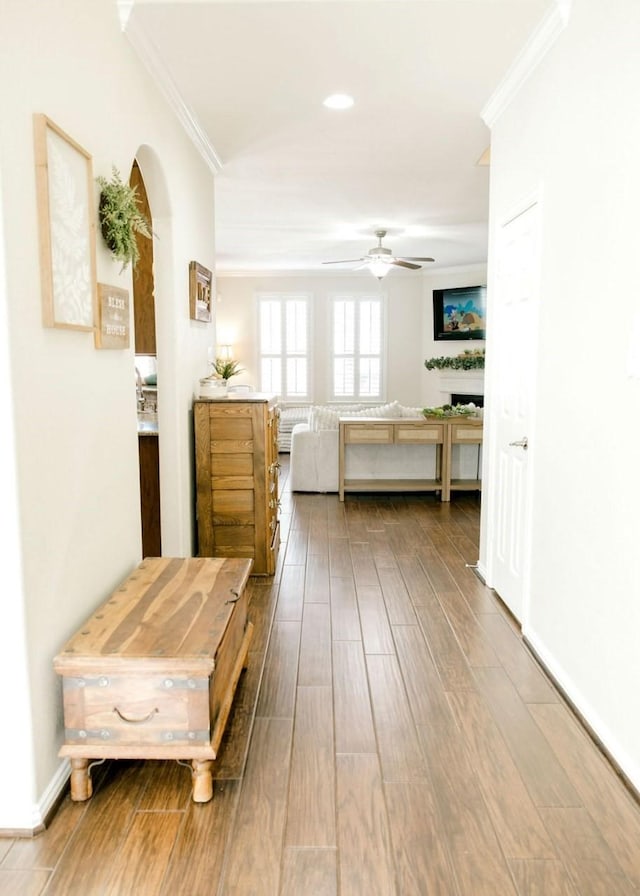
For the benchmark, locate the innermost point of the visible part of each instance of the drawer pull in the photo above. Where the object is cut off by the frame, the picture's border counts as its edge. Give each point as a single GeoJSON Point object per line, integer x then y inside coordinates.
{"type": "Point", "coordinates": [135, 721]}
{"type": "Point", "coordinates": [234, 599]}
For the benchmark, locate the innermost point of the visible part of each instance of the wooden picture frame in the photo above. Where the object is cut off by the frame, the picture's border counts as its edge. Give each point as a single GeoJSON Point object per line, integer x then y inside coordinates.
{"type": "Point", "coordinates": [459, 313]}
{"type": "Point", "coordinates": [200, 292]}
{"type": "Point", "coordinates": [114, 320]}
{"type": "Point", "coordinates": [67, 227]}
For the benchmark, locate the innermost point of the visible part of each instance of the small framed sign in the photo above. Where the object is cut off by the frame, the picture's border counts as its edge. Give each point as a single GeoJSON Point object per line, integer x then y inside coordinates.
{"type": "Point", "coordinates": [200, 290]}
{"type": "Point", "coordinates": [113, 330]}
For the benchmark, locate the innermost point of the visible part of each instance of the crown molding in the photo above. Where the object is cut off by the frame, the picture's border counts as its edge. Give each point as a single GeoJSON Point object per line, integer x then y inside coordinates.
{"type": "Point", "coordinates": [158, 71]}
{"type": "Point", "coordinates": [478, 267]}
{"type": "Point", "coordinates": [540, 42]}
{"type": "Point", "coordinates": [291, 272]}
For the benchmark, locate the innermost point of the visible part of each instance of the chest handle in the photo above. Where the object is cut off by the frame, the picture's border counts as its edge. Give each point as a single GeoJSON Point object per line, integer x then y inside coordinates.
{"type": "Point", "coordinates": [134, 721]}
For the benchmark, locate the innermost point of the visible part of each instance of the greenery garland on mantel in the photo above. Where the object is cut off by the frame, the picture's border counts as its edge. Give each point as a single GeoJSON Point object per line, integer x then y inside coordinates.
{"type": "Point", "coordinates": [468, 360]}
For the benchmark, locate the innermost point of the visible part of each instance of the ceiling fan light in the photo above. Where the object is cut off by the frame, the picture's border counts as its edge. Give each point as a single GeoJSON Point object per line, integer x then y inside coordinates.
{"type": "Point", "coordinates": [380, 268]}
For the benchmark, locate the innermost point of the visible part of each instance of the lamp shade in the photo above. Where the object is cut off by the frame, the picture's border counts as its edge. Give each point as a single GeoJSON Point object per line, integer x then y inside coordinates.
{"type": "Point", "coordinates": [380, 268]}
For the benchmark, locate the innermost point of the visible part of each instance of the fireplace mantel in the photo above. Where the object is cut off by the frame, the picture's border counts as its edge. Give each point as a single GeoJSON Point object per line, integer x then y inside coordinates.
{"type": "Point", "coordinates": [469, 382]}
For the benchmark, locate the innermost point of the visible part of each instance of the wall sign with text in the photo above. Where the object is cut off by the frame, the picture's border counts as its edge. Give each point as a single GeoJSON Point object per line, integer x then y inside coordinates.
{"type": "Point", "coordinates": [113, 330]}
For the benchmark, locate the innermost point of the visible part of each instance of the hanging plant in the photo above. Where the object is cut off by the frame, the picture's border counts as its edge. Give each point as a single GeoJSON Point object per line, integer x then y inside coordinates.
{"type": "Point", "coordinates": [121, 218]}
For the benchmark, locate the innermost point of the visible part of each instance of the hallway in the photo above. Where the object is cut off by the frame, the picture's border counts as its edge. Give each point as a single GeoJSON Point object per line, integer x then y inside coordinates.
{"type": "Point", "coordinates": [392, 735]}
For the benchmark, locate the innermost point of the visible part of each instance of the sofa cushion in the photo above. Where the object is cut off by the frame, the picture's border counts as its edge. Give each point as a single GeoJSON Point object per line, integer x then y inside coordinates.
{"type": "Point", "coordinates": [328, 417]}
{"type": "Point", "coordinates": [393, 409]}
{"type": "Point", "coordinates": [323, 418]}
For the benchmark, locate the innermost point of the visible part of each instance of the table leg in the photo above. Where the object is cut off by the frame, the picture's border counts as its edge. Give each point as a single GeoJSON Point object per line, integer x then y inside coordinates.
{"type": "Point", "coordinates": [202, 780]}
{"type": "Point", "coordinates": [81, 787]}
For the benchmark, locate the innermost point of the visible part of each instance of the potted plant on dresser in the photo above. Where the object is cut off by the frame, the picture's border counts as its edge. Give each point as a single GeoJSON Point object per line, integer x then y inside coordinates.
{"type": "Point", "coordinates": [217, 383]}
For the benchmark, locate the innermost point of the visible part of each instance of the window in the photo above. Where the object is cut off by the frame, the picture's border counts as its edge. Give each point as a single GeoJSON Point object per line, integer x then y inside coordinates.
{"type": "Point", "coordinates": [357, 346]}
{"type": "Point", "coordinates": [283, 332]}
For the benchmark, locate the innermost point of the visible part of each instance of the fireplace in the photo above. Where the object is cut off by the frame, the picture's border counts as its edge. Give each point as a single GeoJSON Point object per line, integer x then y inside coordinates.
{"type": "Point", "coordinates": [465, 398]}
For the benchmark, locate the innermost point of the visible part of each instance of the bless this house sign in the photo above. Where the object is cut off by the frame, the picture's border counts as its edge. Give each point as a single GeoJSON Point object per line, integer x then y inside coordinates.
{"type": "Point", "coordinates": [113, 317]}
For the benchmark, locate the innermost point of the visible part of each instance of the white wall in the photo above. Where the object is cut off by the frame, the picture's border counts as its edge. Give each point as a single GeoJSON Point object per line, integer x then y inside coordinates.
{"type": "Point", "coordinates": [573, 134]}
{"type": "Point", "coordinates": [409, 314]}
{"type": "Point", "coordinates": [74, 418]}
{"type": "Point", "coordinates": [17, 778]}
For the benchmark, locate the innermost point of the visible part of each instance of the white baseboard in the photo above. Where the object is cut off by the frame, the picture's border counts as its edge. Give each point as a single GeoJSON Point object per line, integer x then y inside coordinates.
{"type": "Point", "coordinates": [598, 729]}
{"type": "Point", "coordinates": [33, 820]}
{"type": "Point", "coordinates": [481, 572]}
{"type": "Point", "coordinates": [53, 791]}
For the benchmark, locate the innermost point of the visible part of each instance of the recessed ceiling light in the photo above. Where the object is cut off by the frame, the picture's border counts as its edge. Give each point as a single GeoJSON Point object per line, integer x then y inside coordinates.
{"type": "Point", "coordinates": [338, 101]}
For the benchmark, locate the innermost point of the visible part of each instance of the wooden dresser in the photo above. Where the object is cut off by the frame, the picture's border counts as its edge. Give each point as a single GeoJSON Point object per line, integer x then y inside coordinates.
{"type": "Point", "coordinates": [236, 455]}
{"type": "Point", "coordinates": [152, 674]}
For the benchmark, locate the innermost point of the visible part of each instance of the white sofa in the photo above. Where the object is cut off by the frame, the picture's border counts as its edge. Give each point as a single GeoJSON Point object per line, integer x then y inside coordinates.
{"type": "Point", "coordinates": [315, 446]}
{"type": "Point", "coordinates": [290, 416]}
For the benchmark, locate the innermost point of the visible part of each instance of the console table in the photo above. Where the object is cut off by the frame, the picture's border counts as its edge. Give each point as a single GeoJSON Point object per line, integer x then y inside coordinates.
{"type": "Point", "coordinates": [443, 433]}
{"type": "Point", "coordinates": [463, 431]}
{"type": "Point", "coordinates": [152, 674]}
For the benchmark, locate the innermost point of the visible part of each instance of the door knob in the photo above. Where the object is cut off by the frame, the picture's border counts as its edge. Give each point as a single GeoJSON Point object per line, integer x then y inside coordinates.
{"type": "Point", "coordinates": [521, 443]}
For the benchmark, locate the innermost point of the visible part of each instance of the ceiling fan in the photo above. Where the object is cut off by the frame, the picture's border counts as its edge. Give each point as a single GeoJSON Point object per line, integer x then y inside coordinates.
{"type": "Point", "coordinates": [379, 260]}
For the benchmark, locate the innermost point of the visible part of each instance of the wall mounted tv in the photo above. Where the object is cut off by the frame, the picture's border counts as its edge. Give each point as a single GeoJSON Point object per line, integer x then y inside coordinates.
{"type": "Point", "coordinates": [459, 313]}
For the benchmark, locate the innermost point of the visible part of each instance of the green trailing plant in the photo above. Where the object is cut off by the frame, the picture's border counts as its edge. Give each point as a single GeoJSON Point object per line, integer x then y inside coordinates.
{"type": "Point", "coordinates": [225, 369]}
{"type": "Point", "coordinates": [468, 360]}
{"type": "Point", "coordinates": [449, 410]}
{"type": "Point", "coordinates": [121, 219]}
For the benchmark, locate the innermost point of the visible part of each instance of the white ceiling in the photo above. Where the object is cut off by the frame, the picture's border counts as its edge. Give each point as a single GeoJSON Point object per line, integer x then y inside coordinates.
{"type": "Point", "coordinates": [299, 184]}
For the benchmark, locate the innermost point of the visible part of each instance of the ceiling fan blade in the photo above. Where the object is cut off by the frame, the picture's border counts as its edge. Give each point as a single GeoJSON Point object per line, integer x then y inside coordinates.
{"type": "Point", "coordinates": [405, 264]}
{"type": "Point", "coordinates": [412, 258]}
{"type": "Point", "coordinates": [343, 261]}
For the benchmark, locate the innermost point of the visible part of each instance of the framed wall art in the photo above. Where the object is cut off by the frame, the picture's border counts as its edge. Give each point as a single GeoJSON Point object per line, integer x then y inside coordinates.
{"type": "Point", "coordinates": [200, 292]}
{"type": "Point", "coordinates": [459, 313]}
{"type": "Point", "coordinates": [114, 328]}
{"type": "Point", "coordinates": [66, 219]}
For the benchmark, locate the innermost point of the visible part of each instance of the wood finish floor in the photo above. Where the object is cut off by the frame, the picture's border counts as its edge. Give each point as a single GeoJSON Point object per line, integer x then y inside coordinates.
{"type": "Point", "coordinates": [392, 735]}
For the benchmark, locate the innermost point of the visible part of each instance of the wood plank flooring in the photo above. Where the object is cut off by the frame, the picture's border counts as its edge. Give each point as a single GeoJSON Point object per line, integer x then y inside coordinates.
{"type": "Point", "coordinates": [392, 735]}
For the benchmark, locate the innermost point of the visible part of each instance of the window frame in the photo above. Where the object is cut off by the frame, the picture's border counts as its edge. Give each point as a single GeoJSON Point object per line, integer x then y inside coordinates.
{"type": "Point", "coordinates": [283, 298]}
{"type": "Point", "coordinates": [358, 297]}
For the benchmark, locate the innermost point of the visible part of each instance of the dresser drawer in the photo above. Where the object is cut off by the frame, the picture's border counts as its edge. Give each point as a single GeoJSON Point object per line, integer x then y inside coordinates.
{"type": "Point", "coordinates": [368, 434]}
{"type": "Point", "coordinates": [466, 432]}
{"type": "Point", "coordinates": [419, 434]}
{"type": "Point", "coordinates": [233, 507]}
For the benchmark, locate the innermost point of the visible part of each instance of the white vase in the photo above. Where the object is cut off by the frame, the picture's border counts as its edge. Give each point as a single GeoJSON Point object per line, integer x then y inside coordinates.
{"type": "Point", "coordinates": [213, 387]}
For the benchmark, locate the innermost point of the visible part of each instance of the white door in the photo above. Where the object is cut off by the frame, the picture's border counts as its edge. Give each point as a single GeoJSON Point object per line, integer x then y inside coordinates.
{"type": "Point", "coordinates": [513, 343]}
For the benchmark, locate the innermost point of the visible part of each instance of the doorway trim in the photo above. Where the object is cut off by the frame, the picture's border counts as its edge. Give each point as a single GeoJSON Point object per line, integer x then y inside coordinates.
{"type": "Point", "coordinates": [491, 498]}
{"type": "Point", "coordinates": [177, 536]}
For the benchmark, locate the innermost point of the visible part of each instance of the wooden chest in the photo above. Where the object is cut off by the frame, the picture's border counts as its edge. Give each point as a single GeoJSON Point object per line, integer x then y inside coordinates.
{"type": "Point", "coordinates": [153, 672]}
